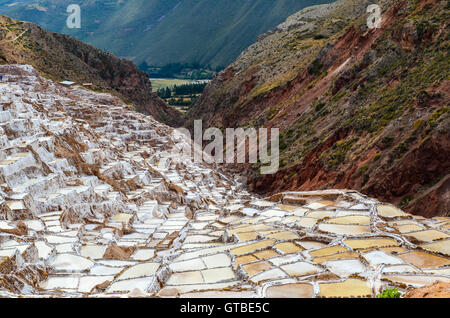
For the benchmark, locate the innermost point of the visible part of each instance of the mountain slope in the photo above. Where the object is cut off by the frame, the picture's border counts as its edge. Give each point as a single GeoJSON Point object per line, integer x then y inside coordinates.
{"type": "Point", "coordinates": [357, 108]}
{"type": "Point", "coordinates": [61, 57]}
{"type": "Point", "coordinates": [163, 31]}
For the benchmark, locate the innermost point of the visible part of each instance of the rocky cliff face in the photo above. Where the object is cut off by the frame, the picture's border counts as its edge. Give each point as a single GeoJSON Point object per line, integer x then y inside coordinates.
{"type": "Point", "coordinates": [357, 107]}
{"type": "Point", "coordinates": [61, 57]}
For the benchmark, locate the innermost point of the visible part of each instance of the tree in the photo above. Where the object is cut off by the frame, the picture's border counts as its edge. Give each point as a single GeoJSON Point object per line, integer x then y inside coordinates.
{"type": "Point", "coordinates": [143, 66]}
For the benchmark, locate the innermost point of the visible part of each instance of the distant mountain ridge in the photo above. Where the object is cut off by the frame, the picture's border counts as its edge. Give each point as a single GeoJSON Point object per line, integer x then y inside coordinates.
{"type": "Point", "coordinates": [61, 57]}
{"type": "Point", "coordinates": [209, 32]}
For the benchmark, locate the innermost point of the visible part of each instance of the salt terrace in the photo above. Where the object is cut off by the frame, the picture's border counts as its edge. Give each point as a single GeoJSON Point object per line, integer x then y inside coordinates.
{"type": "Point", "coordinates": [86, 210]}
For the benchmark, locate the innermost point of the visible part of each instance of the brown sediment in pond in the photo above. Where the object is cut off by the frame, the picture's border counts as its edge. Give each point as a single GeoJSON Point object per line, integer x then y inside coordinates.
{"type": "Point", "coordinates": [119, 252]}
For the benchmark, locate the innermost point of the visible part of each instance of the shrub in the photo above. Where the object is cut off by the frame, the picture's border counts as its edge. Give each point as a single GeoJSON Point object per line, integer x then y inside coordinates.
{"type": "Point", "coordinates": [319, 107]}
{"type": "Point", "coordinates": [405, 200]}
{"type": "Point", "coordinates": [315, 68]}
{"type": "Point", "coordinates": [319, 37]}
{"type": "Point", "coordinates": [390, 293]}
{"type": "Point", "coordinates": [400, 150]}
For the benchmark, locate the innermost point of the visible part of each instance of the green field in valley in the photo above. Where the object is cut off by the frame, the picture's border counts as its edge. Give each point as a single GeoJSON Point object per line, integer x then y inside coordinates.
{"type": "Point", "coordinates": [158, 83]}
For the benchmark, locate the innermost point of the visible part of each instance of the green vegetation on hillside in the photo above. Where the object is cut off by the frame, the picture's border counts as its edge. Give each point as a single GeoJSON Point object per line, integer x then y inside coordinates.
{"type": "Point", "coordinates": [390, 293]}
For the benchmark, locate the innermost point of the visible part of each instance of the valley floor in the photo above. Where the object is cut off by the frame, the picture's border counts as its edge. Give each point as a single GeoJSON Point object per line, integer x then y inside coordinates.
{"type": "Point", "coordinates": [88, 208]}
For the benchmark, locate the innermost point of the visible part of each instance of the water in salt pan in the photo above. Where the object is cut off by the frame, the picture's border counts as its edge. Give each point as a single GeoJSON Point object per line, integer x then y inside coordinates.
{"type": "Point", "coordinates": [130, 284]}
{"type": "Point", "coordinates": [71, 262]}
{"type": "Point", "coordinates": [442, 247]}
{"type": "Point", "coordinates": [269, 275]}
{"type": "Point", "coordinates": [217, 260]}
{"type": "Point", "coordinates": [344, 229]}
{"type": "Point", "coordinates": [93, 251]}
{"type": "Point", "coordinates": [60, 282]}
{"type": "Point", "coordinates": [301, 269]}
{"type": "Point", "coordinates": [140, 270]}
{"type": "Point", "coordinates": [348, 288]}
{"type": "Point", "coordinates": [380, 257]}
{"type": "Point", "coordinates": [189, 265]}
{"type": "Point", "coordinates": [143, 254]}
{"type": "Point", "coordinates": [345, 268]}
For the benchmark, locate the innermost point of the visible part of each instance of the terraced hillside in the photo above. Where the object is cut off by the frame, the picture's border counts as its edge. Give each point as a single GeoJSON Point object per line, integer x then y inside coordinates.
{"type": "Point", "coordinates": [358, 108]}
{"type": "Point", "coordinates": [61, 57]}
{"type": "Point", "coordinates": [89, 208]}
